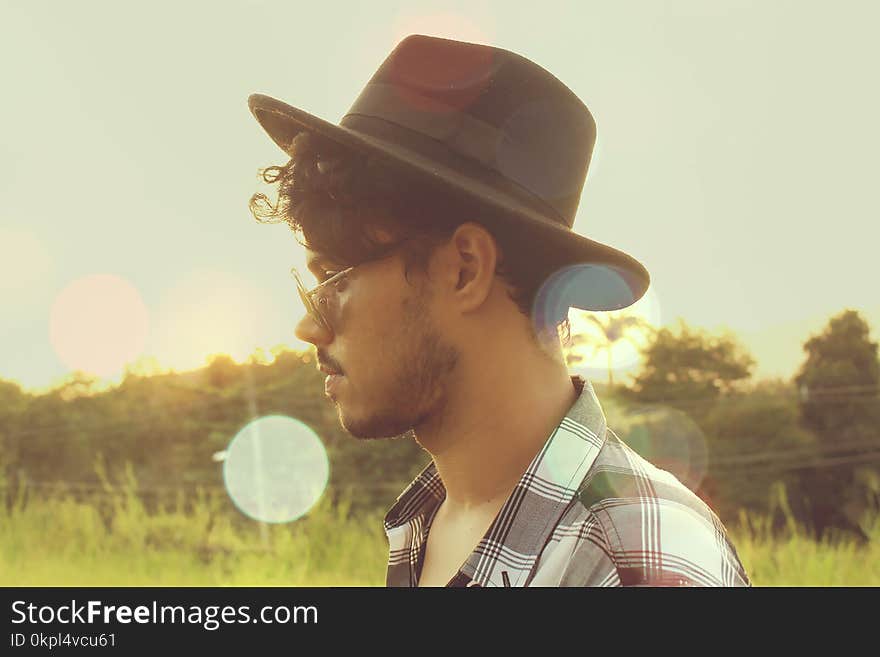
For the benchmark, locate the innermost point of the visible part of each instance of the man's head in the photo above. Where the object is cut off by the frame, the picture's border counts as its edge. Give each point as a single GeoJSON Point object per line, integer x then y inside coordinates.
{"type": "Point", "coordinates": [433, 291]}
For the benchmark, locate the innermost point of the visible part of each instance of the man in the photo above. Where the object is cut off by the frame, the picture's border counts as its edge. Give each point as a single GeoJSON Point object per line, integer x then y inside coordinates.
{"type": "Point", "coordinates": [437, 221]}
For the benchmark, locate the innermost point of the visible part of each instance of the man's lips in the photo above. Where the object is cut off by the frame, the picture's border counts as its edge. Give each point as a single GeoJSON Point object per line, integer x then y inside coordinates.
{"type": "Point", "coordinates": [331, 383]}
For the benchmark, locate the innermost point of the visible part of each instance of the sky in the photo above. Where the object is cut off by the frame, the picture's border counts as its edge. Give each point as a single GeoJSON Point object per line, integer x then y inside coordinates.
{"type": "Point", "coordinates": [736, 158]}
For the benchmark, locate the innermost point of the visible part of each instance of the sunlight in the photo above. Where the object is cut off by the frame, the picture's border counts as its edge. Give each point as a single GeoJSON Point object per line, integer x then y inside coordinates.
{"type": "Point", "coordinates": [211, 312]}
{"type": "Point", "coordinates": [625, 351]}
{"type": "Point", "coordinates": [98, 323]}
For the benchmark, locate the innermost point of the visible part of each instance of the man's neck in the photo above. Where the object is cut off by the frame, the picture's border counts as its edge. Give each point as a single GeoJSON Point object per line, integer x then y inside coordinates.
{"type": "Point", "coordinates": [495, 421]}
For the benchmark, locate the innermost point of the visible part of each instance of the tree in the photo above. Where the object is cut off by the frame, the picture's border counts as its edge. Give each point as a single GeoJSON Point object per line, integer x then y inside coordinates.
{"type": "Point", "coordinates": [841, 372]}
{"type": "Point", "coordinates": [755, 443]}
{"type": "Point", "coordinates": [839, 384]}
{"type": "Point", "coordinates": [690, 364]}
{"type": "Point", "coordinates": [222, 372]}
{"type": "Point", "coordinates": [14, 403]}
{"type": "Point", "coordinates": [614, 329]}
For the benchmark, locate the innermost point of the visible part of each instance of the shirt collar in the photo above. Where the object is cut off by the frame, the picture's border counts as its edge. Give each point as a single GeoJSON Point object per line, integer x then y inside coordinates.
{"type": "Point", "coordinates": [510, 548]}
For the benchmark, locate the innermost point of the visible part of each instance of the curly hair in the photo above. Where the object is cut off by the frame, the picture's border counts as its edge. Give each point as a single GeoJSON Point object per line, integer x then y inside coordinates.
{"type": "Point", "coordinates": [334, 199]}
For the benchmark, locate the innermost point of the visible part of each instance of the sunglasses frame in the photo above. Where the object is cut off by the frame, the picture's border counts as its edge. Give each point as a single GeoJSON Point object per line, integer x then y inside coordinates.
{"type": "Point", "coordinates": [306, 295]}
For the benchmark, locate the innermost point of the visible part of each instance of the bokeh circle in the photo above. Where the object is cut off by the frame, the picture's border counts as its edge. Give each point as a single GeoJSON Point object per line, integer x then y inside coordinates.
{"type": "Point", "coordinates": [275, 469]}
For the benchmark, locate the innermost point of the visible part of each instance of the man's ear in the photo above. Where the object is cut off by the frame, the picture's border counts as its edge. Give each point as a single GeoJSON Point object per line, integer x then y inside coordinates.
{"type": "Point", "coordinates": [472, 260]}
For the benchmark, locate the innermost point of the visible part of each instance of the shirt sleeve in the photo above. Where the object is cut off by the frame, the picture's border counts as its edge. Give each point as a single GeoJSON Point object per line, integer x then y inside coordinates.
{"type": "Point", "coordinates": [656, 542]}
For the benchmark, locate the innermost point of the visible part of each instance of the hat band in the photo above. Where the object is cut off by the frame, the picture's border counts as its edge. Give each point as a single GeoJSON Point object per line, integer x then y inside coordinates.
{"type": "Point", "coordinates": [470, 142]}
{"type": "Point", "coordinates": [463, 133]}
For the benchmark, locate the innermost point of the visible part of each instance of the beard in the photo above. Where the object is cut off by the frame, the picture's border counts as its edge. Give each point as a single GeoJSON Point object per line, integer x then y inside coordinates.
{"type": "Point", "coordinates": [421, 366]}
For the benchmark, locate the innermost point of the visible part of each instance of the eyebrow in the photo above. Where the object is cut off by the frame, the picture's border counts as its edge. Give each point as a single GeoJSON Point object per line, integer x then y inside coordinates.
{"type": "Point", "coordinates": [315, 264]}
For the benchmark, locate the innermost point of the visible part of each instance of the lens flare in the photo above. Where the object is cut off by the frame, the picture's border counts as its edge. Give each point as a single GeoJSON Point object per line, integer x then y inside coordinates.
{"type": "Point", "coordinates": [602, 342]}
{"type": "Point", "coordinates": [275, 469]}
{"type": "Point", "coordinates": [208, 312]}
{"type": "Point", "coordinates": [98, 323]}
{"type": "Point", "coordinates": [598, 287]}
{"type": "Point", "coordinates": [668, 438]}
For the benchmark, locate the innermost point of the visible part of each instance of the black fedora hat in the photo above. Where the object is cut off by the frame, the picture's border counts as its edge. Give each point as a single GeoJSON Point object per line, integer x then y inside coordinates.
{"type": "Point", "coordinates": [497, 131]}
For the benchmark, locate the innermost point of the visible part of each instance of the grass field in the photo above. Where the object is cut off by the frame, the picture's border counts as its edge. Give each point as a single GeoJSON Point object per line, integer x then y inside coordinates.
{"type": "Point", "coordinates": [62, 542]}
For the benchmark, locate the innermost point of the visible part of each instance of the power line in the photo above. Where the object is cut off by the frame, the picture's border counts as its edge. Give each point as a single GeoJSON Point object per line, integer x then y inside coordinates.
{"type": "Point", "coordinates": [744, 399]}
{"type": "Point", "coordinates": [797, 461]}
{"type": "Point", "coordinates": [821, 463]}
{"type": "Point", "coordinates": [823, 389]}
{"type": "Point", "coordinates": [794, 389]}
{"type": "Point", "coordinates": [798, 450]}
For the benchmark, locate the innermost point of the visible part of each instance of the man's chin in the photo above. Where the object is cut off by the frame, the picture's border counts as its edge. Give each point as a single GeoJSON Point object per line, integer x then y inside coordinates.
{"type": "Point", "coordinates": [372, 428]}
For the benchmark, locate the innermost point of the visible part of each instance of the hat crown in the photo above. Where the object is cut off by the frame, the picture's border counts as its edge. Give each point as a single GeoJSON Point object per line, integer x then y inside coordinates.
{"type": "Point", "coordinates": [498, 137]}
{"type": "Point", "coordinates": [484, 107]}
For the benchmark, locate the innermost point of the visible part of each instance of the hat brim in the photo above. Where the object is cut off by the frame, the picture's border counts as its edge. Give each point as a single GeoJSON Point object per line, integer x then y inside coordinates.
{"type": "Point", "coordinates": [625, 279]}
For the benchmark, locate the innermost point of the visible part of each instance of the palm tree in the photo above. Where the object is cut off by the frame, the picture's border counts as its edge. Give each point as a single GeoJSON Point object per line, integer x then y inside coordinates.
{"type": "Point", "coordinates": [614, 329]}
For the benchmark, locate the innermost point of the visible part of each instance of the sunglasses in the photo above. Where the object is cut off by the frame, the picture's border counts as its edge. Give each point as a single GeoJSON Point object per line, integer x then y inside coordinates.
{"type": "Point", "coordinates": [317, 298]}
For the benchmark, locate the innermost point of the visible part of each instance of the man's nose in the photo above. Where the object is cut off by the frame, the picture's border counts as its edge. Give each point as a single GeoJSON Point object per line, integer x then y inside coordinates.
{"type": "Point", "coordinates": [309, 330]}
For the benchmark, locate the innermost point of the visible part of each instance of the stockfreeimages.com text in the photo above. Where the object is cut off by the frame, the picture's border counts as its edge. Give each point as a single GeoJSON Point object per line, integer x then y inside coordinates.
{"type": "Point", "coordinates": [211, 617]}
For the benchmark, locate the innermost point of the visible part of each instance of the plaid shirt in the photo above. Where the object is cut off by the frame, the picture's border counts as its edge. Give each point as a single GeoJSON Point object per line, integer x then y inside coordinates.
{"type": "Point", "coordinates": [588, 511]}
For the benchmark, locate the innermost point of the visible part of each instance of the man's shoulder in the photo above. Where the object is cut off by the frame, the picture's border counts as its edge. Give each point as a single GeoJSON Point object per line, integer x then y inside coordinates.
{"type": "Point", "coordinates": [620, 477]}
{"type": "Point", "coordinates": [656, 529]}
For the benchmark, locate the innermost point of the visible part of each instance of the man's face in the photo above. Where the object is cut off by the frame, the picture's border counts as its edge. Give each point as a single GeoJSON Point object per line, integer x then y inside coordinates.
{"type": "Point", "coordinates": [395, 365]}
